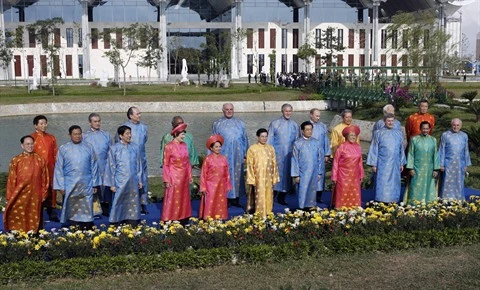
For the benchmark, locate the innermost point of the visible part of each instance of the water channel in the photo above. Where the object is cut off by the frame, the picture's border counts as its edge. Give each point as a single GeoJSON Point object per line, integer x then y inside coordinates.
{"type": "Point", "coordinates": [13, 128]}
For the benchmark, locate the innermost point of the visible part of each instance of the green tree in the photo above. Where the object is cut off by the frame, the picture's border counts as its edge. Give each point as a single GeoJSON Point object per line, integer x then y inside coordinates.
{"type": "Point", "coordinates": [217, 52]}
{"type": "Point", "coordinates": [305, 53]}
{"type": "Point", "coordinates": [272, 56]}
{"type": "Point", "coordinates": [423, 44]}
{"type": "Point", "coordinates": [6, 55]}
{"type": "Point", "coordinates": [44, 31]}
{"type": "Point", "coordinates": [152, 48]}
{"type": "Point", "coordinates": [330, 44]}
{"type": "Point", "coordinates": [121, 52]}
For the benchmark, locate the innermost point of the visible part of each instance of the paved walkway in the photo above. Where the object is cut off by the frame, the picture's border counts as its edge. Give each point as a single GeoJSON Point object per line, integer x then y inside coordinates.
{"type": "Point", "coordinates": [155, 107]}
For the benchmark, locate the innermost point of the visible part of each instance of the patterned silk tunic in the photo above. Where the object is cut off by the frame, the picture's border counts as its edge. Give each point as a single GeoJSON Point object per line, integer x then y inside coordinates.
{"type": "Point", "coordinates": [27, 187]}
{"type": "Point", "coordinates": [76, 172]}
{"type": "Point", "coordinates": [281, 135]}
{"type": "Point", "coordinates": [347, 171]}
{"type": "Point", "coordinates": [234, 149]}
{"type": "Point", "coordinates": [262, 173]}
{"type": "Point", "coordinates": [388, 155]}
{"type": "Point", "coordinates": [454, 156]}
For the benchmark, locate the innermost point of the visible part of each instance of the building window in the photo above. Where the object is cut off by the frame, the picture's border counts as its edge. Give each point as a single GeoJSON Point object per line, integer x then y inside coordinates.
{"type": "Point", "coordinates": [273, 38]}
{"type": "Point", "coordinates": [405, 38]}
{"type": "Point", "coordinates": [119, 37]}
{"type": "Point", "coordinates": [339, 59]}
{"type": "Point", "coordinates": [295, 38]}
{"type": "Point", "coordinates": [295, 63]}
{"type": "Point", "coordinates": [80, 38]}
{"type": "Point", "coordinates": [249, 38]}
{"type": "Point", "coordinates": [383, 39]}
{"type": "Point", "coordinates": [261, 62]}
{"type": "Point", "coordinates": [284, 38]}
{"type": "Point", "coordinates": [351, 38]}
{"type": "Point", "coordinates": [426, 38]}
{"type": "Point", "coordinates": [383, 60]}
{"type": "Point", "coordinates": [395, 39]}
{"type": "Point", "coordinates": [340, 39]}
{"type": "Point", "coordinates": [94, 38]}
{"type": "Point", "coordinates": [68, 64]}
{"type": "Point", "coordinates": [250, 63]}
{"type": "Point", "coordinates": [261, 38]}
{"type": "Point", "coordinates": [18, 65]}
{"type": "Point", "coordinates": [31, 38]}
{"type": "Point", "coordinates": [284, 63]}
{"type": "Point", "coordinates": [69, 34]}
{"type": "Point", "coordinates": [318, 38]}
{"type": "Point", "coordinates": [106, 38]}
{"type": "Point", "coordinates": [56, 37]}
{"type": "Point", "coordinates": [404, 62]}
{"type": "Point", "coordinates": [80, 66]}
{"type": "Point", "coordinates": [329, 38]}
{"type": "Point", "coordinates": [394, 62]}
{"type": "Point", "coordinates": [351, 60]}
{"type": "Point", "coordinates": [318, 62]}
{"type": "Point", "coordinates": [362, 38]}
{"type": "Point", "coordinates": [362, 60]}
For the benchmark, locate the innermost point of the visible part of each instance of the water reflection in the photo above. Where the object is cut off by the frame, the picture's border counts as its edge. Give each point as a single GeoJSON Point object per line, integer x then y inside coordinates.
{"type": "Point", "coordinates": [13, 128]}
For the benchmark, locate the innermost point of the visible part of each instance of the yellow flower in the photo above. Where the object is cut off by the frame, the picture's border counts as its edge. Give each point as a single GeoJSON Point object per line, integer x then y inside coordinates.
{"type": "Point", "coordinates": [96, 242]}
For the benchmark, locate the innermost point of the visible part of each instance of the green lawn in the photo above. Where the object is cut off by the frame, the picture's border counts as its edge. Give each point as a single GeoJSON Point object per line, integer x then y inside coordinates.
{"type": "Point", "coordinates": [440, 268]}
{"type": "Point", "coordinates": [148, 93]}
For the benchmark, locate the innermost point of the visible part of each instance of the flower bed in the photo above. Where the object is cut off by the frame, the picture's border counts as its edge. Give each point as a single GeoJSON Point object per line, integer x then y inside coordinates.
{"type": "Point", "coordinates": [244, 238]}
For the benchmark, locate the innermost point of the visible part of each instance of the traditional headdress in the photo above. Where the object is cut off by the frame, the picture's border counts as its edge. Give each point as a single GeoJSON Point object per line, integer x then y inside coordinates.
{"type": "Point", "coordinates": [214, 138]}
{"type": "Point", "coordinates": [179, 128]}
{"type": "Point", "coordinates": [350, 129]}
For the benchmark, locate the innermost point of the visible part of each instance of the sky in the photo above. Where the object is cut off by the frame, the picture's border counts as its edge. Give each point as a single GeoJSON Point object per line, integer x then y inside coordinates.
{"type": "Point", "coordinates": [471, 24]}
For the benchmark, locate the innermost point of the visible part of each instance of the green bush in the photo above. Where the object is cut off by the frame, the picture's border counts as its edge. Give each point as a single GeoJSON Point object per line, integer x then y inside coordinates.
{"type": "Point", "coordinates": [88, 267]}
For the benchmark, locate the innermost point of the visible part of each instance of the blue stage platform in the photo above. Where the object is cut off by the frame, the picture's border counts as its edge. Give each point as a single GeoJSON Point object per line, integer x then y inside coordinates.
{"type": "Point", "coordinates": [156, 208]}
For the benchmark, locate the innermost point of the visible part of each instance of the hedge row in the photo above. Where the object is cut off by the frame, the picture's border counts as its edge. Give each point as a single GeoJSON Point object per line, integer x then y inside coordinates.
{"type": "Point", "coordinates": [81, 268]}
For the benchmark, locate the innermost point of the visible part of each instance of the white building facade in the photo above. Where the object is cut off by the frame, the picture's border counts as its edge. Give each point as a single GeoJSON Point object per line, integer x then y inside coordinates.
{"type": "Point", "coordinates": [271, 26]}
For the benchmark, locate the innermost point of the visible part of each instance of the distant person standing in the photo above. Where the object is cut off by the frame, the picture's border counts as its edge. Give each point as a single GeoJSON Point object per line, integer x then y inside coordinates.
{"type": "Point", "coordinates": [454, 160]}
{"type": "Point", "coordinates": [76, 177]}
{"type": "Point", "coordinates": [249, 78]}
{"type": "Point", "coordinates": [282, 133]}
{"type": "Point", "coordinates": [233, 131]}
{"type": "Point", "coordinates": [46, 146]}
{"type": "Point", "coordinates": [100, 141]}
{"type": "Point", "coordinates": [123, 175]}
{"type": "Point", "coordinates": [386, 157]}
{"type": "Point", "coordinates": [320, 132]}
{"type": "Point", "coordinates": [27, 188]}
{"type": "Point", "coordinates": [139, 139]}
{"type": "Point", "coordinates": [423, 165]}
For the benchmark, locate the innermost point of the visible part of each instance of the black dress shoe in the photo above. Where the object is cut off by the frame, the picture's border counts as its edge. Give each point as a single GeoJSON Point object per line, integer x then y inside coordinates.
{"type": "Point", "coordinates": [282, 202]}
{"type": "Point", "coordinates": [144, 211]}
{"type": "Point", "coordinates": [54, 219]}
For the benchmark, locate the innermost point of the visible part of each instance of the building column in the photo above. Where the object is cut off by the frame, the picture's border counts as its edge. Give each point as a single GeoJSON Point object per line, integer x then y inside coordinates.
{"type": "Point", "coordinates": [306, 28]}
{"type": "Point", "coordinates": [376, 5]}
{"type": "Point", "coordinates": [162, 67]}
{"type": "Point", "coordinates": [236, 53]}
{"type": "Point", "coordinates": [86, 39]}
{"type": "Point", "coordinates": [2, 20]}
